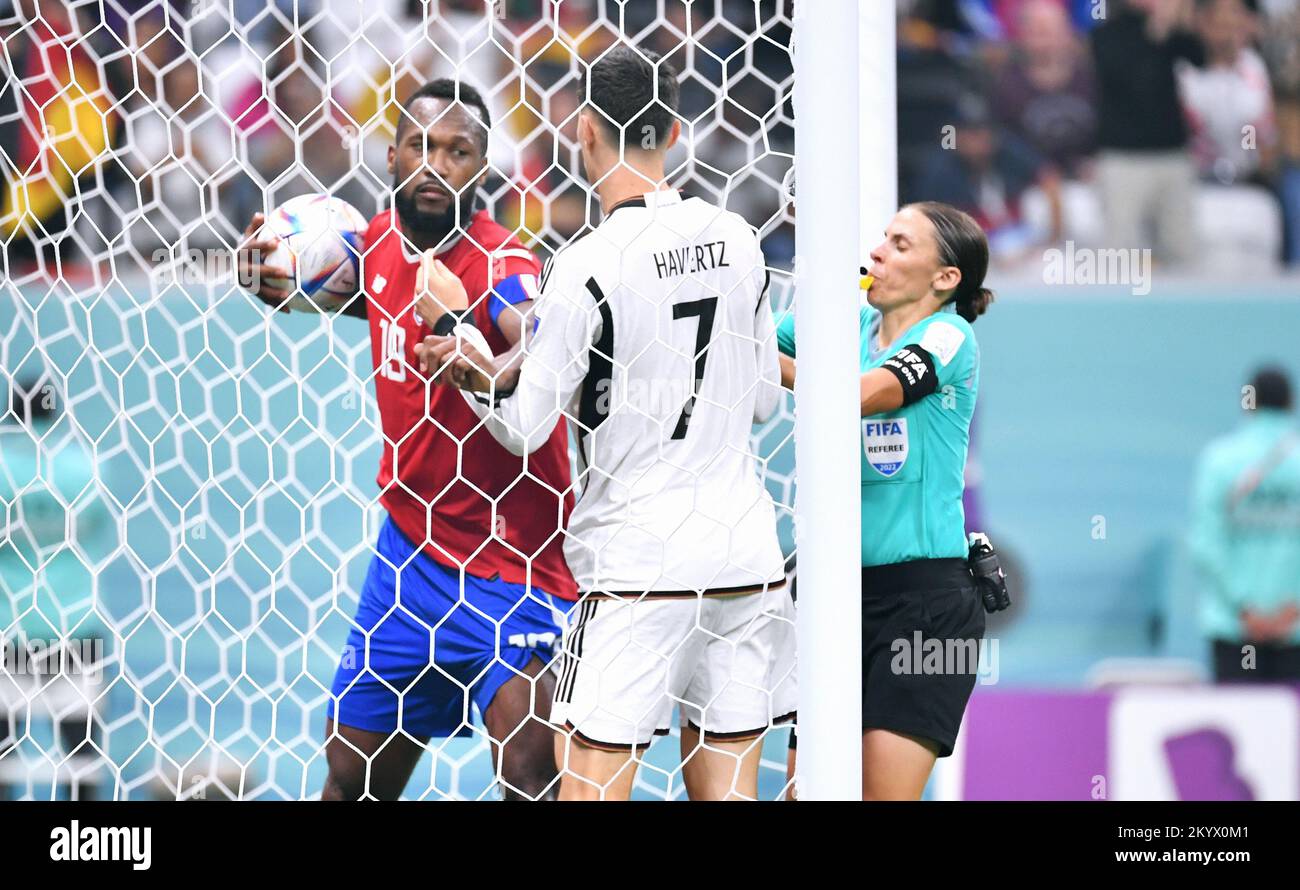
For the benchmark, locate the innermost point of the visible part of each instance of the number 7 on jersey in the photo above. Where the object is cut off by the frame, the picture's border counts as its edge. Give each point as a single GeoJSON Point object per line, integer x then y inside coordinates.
{"type": "Point", "coordinates": [703, 310]}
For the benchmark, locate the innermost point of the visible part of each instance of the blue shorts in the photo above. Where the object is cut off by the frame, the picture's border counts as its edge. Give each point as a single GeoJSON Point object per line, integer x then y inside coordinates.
{"type": "Point", "coordinates": [420, 653]}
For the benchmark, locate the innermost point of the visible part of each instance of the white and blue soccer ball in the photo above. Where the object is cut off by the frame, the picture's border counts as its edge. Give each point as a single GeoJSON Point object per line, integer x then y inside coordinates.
{"type": "Point", "coordinates": [321, 241]}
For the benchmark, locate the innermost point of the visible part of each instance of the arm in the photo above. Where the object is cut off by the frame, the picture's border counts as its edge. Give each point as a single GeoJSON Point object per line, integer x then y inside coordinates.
{"type": "Point", "coordinates": [786, 348]}
{"type": "Point", "coordinates": [880, 391]}
{"type": "Point", "coordinates": [516, 329]}
{"type": "Point", "coordinates": [787, 371]}
{"type": "Point", "coordinates": [521, 406]}
{"type": "Point", "coordinates": [940, 355]}
{"type": "Point", "coordinates": [442, 291]}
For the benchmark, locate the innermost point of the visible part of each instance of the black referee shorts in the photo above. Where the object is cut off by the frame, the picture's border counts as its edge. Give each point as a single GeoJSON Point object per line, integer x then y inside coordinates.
{"type": "Point", "coordinates": [922, 623]}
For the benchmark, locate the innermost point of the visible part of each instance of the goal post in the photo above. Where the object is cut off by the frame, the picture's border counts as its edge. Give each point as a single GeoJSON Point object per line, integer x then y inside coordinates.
{"type": "Point", "coordinates": [827, 513]}
{"type": "Point", "coordinates": [878, 121]}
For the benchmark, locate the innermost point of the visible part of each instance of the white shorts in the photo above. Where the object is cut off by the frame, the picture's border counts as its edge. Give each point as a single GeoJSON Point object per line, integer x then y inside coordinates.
{"type": "Point", "coordinates": [727, 662]}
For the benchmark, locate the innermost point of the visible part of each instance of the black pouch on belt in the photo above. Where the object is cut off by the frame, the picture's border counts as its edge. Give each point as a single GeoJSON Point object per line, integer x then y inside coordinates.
{"type": "Point", "coordinates": [987, 571]}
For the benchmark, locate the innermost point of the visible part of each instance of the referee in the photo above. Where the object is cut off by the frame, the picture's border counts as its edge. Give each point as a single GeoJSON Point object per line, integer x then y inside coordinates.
{"type": "Point", "coordinates": [920, 376]}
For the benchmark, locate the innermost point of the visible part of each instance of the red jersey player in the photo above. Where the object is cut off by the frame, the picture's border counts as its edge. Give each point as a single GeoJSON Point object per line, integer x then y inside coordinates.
{"type": "Point", "coordinates": [466, 593]}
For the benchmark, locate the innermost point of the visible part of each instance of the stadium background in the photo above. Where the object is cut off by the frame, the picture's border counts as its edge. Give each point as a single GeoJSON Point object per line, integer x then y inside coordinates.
{"type": "Point", "coordinates": [227, 531]}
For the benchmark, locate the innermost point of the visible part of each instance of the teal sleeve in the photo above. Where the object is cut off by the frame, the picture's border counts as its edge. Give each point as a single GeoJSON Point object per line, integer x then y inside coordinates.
{"type": "Point", "coordinates": [785, 334]}
{"type": "Point", "coordinates": [951, 343]}
{"type": "Point", "coordinates": [1208, 532]}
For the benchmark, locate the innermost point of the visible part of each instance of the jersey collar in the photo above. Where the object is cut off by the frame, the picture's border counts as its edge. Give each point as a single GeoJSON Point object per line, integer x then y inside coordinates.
{"type": "Point", "coordinates": [656, 198]}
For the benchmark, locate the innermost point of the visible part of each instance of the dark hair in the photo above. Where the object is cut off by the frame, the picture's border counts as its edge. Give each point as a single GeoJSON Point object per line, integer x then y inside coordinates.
{"type": "Point", "coordinates": [1272, 388]}
{"type": "Point", "coordinates": [962, 243]}
{"type": "Point", "coordinates": [452, 91]}
{"type": "Point", "coordinates": [632, 90]}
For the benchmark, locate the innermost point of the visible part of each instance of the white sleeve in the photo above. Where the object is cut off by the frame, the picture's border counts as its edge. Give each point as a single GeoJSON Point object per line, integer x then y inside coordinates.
{"type": "Point", "coordinates": [555, 363]}
{"type": "Point", "coordinates": [768, 396]}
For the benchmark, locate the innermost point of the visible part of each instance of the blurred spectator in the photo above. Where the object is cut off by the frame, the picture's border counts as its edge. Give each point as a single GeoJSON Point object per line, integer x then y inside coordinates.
{"type": "Point", "coordinates": [1145, 173]}
{"type": "Point", "coordinates": [174, 149]}
{"type": "Point", "coordinates": [295, 142]}
{"type": "Point", "coordinates": [1047, 94]}
{"type": "Point", "coordinates": [57, 529]}
{"type": "Point", "coordinates": [1229, 107]}
{"type": "Point", "coordinates": [985, 173]}
{"type": "Point", "coordinates": [57, 128]}
{"type": "Point", "coordinates": [1281, 45]}
{"type": "Point", "coordinates": [1245, 538]}
{"type": "Point", "coordinates": [1082, 14]}
{"type": "Point", "coordinates": [1229, 102]}
{"type": "Point", "coordinates": [933, 74]}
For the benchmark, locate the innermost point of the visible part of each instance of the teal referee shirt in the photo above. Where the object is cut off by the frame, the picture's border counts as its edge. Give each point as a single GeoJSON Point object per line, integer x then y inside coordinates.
{"type": "Point", "coordinates": [914, 459]}
{"type": "Point", "coordinates": [1245, 529]}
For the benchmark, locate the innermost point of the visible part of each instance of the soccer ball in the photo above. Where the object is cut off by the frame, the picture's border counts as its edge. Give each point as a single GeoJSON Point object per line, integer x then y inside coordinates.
{"type": "Point", "coordinates": [321, 240]}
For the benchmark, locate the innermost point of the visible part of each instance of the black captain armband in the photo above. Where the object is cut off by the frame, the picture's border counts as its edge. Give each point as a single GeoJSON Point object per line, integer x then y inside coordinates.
{"type": "Point", "coordinates": [447, 323]}
{"type": "Point", "coordinates": [914, 368]}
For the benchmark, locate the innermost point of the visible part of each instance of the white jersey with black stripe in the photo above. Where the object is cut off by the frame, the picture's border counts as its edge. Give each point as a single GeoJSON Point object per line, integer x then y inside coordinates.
{"type": "Point", "coordinates": [656, 340]}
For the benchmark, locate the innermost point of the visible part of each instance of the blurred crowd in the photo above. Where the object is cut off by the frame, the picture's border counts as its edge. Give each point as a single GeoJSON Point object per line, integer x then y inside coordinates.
{"type": "Point", "coordinates": [1169, 125]}
{"type": "Point", "coordinates": [1172, 125]}
{"type": "Point", "coordinates": [205, 113]}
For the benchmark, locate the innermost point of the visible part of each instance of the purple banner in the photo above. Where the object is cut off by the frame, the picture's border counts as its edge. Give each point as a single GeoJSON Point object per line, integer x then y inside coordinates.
{"type": "Point", "coordinates": [1131, 743]}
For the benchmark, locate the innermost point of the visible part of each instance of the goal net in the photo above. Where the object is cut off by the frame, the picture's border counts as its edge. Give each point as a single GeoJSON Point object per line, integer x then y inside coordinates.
{"type": "Point", "coordinates": [188, 480]}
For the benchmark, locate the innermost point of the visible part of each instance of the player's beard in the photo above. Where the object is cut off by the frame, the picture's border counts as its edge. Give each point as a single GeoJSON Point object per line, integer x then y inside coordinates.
{"type": "Point", "coordinates": [433, 226]}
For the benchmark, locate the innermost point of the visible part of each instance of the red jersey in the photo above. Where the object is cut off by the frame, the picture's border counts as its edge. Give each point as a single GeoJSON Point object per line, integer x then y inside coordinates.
{"type": "Point", "coordinates": [443, 479]}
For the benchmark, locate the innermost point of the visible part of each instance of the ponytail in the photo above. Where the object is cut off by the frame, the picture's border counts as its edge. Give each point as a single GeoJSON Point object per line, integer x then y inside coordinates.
{"type": "Point", "coordinates": [973, 305]}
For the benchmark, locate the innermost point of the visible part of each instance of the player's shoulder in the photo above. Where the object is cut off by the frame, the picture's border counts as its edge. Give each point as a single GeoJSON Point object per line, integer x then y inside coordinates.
{"type": "Point", "coordinates": [947, 337]}
{"type": "Point", "coordinates": [582, 251]}
{"type": "Point", "coordinates": [719, 220]}
{"type": "Point", "coordinates": [1225, 455]}
{"type": "Point", "coordinates": [492, 235]}
{"type": "Point", "coordinates": [501, 246]}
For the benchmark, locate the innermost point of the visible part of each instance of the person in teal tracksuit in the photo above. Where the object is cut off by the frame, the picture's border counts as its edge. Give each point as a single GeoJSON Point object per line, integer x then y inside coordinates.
{"type": "Point", "coordinates": [55, 530]}
{"type": "Point", "coordinates": [1245, 539]}
{"type": "Point", "coordinates": [920, 379]}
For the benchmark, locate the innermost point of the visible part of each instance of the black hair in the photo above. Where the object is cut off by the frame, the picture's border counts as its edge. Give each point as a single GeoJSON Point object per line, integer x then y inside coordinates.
{"type": "Point", "coordinates": [1272, 388]}
{"type": "Point", "coordinates": [962, 243]}
{"type": "Point", "coordinates": [452, 91]}
{"type": "Point", "coordinates": [633, 91]}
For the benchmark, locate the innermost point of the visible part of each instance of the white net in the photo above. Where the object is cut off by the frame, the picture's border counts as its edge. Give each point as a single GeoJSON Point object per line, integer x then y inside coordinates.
{"type": "Point", "coordinates": [190, 503]}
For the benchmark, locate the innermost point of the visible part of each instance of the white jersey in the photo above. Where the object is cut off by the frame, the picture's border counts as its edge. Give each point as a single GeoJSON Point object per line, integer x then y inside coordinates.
{"type": "Point", "coordinates": [656, 340]}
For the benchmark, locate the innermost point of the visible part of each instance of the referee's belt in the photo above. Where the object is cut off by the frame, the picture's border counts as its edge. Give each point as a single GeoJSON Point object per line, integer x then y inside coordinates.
{"type": "Point", "coordinates": [920, 574]}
